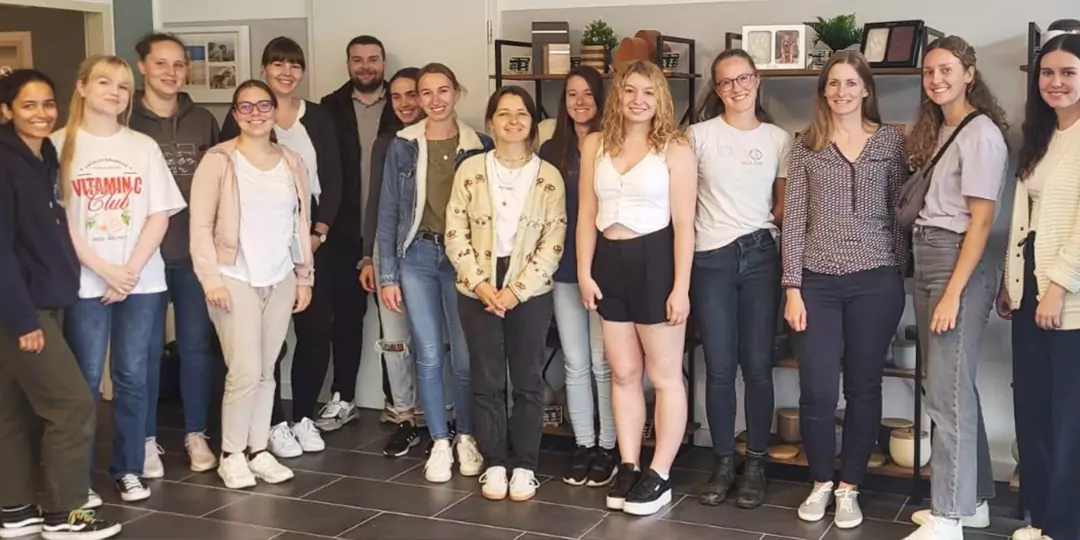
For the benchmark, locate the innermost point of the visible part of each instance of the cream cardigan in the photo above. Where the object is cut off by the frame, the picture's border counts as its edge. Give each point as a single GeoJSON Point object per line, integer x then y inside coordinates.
{"type": "Point", "coordinates": [1057, 239]}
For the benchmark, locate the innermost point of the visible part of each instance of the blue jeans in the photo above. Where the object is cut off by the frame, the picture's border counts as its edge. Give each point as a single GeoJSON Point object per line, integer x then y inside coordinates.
{"type": "Point", "coordinates": [583, 347]}
{"type": "Point", "coordinates": [736, 297]}
{"type": "Point", "coordinates": [427, 287]}
{"type": "Point", "coordinates": [195, 343]}
{"type": "Point", "coordinates": [125, 329]}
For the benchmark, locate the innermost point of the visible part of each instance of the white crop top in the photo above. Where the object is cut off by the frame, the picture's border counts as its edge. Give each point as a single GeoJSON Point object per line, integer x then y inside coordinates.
{"type": "Point", "coordinates": [638, 199]}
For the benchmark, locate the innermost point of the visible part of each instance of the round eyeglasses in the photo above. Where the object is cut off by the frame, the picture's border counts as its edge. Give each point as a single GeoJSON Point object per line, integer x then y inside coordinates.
{"type": "Point", "coordinates": [246, 107]}
{"type": "Point", "coordinates": [744, 80]}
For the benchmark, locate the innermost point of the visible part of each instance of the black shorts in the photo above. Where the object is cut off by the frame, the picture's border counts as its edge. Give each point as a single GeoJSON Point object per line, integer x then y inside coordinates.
{"type": "Point", "coordinates": [635, 276]}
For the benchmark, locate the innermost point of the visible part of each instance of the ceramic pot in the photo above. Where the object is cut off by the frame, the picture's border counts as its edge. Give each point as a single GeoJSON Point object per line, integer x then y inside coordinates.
{"type": "Point", "coordinates": [594, 56]}
{"type": "Point", "coordinates": [902, 448]}
{"type": "Point", "coordinates": [904, 354]}
{"type": "Point", "coordinates": [886, 428]}
{"type": "Point", "coordinates": [787, 424]}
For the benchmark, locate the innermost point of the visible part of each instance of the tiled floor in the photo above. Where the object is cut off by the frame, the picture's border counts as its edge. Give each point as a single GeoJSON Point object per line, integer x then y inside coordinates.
{"type": "Point", "coordinates": [351, 491]}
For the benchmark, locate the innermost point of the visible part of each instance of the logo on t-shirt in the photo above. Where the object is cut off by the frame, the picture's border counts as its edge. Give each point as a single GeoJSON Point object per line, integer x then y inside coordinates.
{"type": "Point", "coordinates": [181, 157]}
{"type": "Point", "coordinates": [755, 157]}
{"type": "Point", "coordinates": [105, 187]}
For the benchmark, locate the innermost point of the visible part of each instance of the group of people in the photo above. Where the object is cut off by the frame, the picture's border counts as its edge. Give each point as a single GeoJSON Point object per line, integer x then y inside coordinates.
{"type": "Point", "coordinates": [474, 240]}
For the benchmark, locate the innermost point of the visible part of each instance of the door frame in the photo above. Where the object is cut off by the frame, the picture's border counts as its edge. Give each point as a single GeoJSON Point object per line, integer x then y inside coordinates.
{"type": "Point", "coordinates": [97, 20]}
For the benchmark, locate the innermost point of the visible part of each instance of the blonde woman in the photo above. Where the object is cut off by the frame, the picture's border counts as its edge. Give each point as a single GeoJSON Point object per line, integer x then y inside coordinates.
{"type": "Point", "coordinates": [252, 253]}
{"type": "Point", "coordinates": [119, 195]}
{"type": "Point", "coordinates": [635, 248]}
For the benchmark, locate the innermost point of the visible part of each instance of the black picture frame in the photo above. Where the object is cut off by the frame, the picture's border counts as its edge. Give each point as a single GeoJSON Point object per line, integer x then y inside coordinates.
{"type": "Point", "coordinates": [732, 40]}
{"type": "Point", "coordinates": [916, 42]}
{"type": "Point", "coordinates": [1034, 45]}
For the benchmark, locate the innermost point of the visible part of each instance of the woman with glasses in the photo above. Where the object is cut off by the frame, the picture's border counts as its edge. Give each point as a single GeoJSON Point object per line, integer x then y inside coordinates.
{"type": "Point", "coordinates": [252, 252]}
{"type": "Point", "coordinates": [735, 286]}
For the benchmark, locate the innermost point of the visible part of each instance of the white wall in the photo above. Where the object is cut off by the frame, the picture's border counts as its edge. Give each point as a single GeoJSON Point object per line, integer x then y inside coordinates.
{"type": "Point", "coordinates": [178, 11]}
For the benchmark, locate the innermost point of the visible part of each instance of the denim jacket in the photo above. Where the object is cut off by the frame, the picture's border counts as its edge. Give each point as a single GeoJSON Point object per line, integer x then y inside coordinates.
{"type": "Point", "coordinates": [404, 192]}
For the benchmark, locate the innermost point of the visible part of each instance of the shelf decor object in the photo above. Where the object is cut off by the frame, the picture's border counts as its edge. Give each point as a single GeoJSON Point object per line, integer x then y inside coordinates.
{"type": "Point", "coordinates": [836, 34]}
{"type": "Point", "coordinates": [597, 41]}
{"type": "Point", "coordinates": [778, 46]}
{"type": "Point", "coordinates": [556, 58]}
{"type": "Point", "coordinates": [732, 40]}
{"type": "Point", "coordinates": [894, 44]}
{"type": "Point", "coordinates": [546, 33]}
{"type": "Point", "coordinates": [1061, 26]}
{"type": "Point", "coordinates": [520, 64]}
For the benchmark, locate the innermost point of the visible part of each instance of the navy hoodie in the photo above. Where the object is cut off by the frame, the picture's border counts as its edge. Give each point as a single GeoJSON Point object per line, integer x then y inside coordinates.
{"type": "Point", "coordinates": [38, 266]}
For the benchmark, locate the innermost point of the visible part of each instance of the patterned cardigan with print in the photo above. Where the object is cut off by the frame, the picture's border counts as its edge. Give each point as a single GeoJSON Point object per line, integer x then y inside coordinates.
{"type": "Point", "coordinates": [538, 244]}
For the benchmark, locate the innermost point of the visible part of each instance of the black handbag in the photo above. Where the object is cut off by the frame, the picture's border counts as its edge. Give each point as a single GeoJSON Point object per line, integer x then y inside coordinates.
{"type": "Point", "coordinates": [913, 193]}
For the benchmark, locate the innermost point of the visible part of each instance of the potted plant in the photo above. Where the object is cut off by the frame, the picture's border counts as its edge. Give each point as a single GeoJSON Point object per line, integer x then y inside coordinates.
{"type": "Point", "coordinates": [597, 41]}
{"type": "Point", "coordinates": [837, 33]}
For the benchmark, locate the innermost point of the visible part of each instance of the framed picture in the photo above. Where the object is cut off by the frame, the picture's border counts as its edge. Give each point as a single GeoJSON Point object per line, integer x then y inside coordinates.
{"type": "Point", "coordinates": [778, 47]}
{"type": "Point", "coordinates": [1034, 45]}
{"type": "Point", "coordinates": [219, 59]}
{"type": "Point", "coordinates": [892, 44]}
{"type": "Point", "coordinates": [16, 52]}
{"type": "Point", "coordinates": [732, 41]}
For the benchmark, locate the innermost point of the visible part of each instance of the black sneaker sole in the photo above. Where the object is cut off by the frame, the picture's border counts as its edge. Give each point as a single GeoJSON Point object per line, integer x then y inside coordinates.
{"type": "Point", "coordinates": [401, 453]}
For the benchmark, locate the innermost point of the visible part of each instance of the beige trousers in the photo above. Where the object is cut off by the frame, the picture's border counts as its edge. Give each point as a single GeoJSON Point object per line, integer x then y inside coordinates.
{"type": "Point", "coordinates": [251, 336]}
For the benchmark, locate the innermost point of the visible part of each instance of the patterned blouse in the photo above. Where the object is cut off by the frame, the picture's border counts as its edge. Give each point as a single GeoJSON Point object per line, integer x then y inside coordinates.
{"type": "Point", "coordinates": [838, 214]}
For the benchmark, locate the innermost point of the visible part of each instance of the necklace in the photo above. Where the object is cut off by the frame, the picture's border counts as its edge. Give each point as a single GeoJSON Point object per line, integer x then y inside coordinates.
{"type": "Point", "coordinates": [504, 159]}
{"type": "Point", "coordinates": [506, 186]}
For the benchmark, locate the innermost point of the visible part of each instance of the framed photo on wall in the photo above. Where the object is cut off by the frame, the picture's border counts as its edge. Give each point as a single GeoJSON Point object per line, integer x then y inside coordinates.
{"type": "Point", "coordinates": [219, 59]}
{"type": "Point", "coordinates": [893, 44]}
{"type": "Point", "coordinates": [778, 46]}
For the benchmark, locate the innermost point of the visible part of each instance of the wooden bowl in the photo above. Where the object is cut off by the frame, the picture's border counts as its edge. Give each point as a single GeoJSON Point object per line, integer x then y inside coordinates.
{"type": "Point", "coordinates": [876, 460]}
{"type": "Point", "coordinates": [783, 452]}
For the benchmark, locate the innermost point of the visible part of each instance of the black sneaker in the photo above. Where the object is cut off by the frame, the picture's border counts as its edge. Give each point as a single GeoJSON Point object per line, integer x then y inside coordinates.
{"type": "Point", "coordinates": [579, 467]}
{"type": "Point", "coordinates": [452, 435]}
{"type": "Point", "coordinates": [20, 521]}
{"type": "Point", "coordinates": [132, 488]}
{"type": "Point", "coordinates": [625, 480]}
{"type": "Point", "coordinates": [603, 468]}
{"type": "Point", "coordinates": [403, 440]}
{"type": "Point", "coordinates": [649, 495]}
{"type": "Point", "coordinates": [79, 525]}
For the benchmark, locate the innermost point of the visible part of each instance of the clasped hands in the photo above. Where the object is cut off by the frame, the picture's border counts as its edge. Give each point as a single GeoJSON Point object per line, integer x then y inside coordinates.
{"type": "Point", "coordinates": [496, 302]}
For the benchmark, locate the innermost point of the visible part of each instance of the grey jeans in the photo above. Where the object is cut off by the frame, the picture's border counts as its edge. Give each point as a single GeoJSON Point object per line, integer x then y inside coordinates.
{"type": "Point", "coordinates": [393, 346]}
{"type": "Point", "coordinates": [960, 455]}
{"type": "Point", "coordinates": [583, 347]}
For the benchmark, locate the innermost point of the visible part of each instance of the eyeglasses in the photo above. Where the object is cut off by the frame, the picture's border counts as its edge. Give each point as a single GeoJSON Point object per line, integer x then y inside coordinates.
{"type": "Point", "coordinates": [744, 80]}
{"type": "Point", "coordinates": [246, 107]}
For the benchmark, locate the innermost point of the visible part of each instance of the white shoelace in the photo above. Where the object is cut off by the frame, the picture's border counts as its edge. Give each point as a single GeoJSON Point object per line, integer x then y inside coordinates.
{"type": "Point", "coordinates": [819, 494]}
{"type": "Point", "coordinates": [131, 482]}
{"type": "Point", "coordinates": [845, 499]}
{"type": "Point", "coordinates": [523, 478]}
{"type": "Point", "coordinates": [157, 447]}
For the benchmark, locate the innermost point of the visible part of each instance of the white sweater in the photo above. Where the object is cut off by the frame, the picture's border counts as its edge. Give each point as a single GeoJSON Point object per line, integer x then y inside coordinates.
{"type": "Point", "coordinates": [1057, 241]}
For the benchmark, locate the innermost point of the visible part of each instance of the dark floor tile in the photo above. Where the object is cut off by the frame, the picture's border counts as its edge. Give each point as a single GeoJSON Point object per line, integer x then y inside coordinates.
{"type": "Point", "coordinates": [298, 536]}
{"type": "Point", "coordinates": [558, 492]}
{"type": "Point", "coordinates": [531, 516]}
{"type": "Point", "coordinates": [356, 436]}
{"type": "Point", "coordinates": [122, 514]}
{"type": "Point", "coordinates": [699, 459]}
{"type": "Point", "coordinates": [554, 464]}
{"type": "Point", "coordinates": [415, 477]}
{"type": "Point", "coordinates": [177, 498]}
{"type": "Point", "coordinates": [171, 527]}
{"type": "Point", "coordinates": [395, 527]}
{"type": "Point", "coordinates": [624, 527]}
{"type": "Point", "coordinates": [303, 482]}
{"type": "Point", "coordinates": [767, 519]}
{"type": "Point", "coordinates": [871, 530]}
{"type": "Point", "coordinates": [293, 515]}
{"type": "Point", "coordinates": [177, 466]}
{"type": "Point", "coordinates": [534, 536]}
{"type": "Point", "coordinates": [354, 464]}
{"type": "Point", "coordinates": [406, 499]}
{"type": "Point", "coordinates": [687, 482]}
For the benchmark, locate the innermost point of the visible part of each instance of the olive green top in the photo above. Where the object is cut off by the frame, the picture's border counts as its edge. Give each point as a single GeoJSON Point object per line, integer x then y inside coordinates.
{"type": "Point", "coordinates": [440, 180]}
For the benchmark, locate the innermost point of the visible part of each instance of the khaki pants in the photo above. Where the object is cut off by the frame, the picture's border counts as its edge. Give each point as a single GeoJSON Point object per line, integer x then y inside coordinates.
{"type": "Point", "coordinates": [251, 336]}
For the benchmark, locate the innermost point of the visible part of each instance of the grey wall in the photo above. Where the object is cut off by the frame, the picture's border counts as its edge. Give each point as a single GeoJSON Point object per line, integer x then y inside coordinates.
{"type": "Point", "coordinates": [133, 19]}
{"type": "Point", "coordinates": [59, 43]}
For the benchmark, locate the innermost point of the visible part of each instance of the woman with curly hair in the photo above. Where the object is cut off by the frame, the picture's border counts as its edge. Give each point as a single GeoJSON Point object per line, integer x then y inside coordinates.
{"type": "Point", "coordinates": [635, 248]}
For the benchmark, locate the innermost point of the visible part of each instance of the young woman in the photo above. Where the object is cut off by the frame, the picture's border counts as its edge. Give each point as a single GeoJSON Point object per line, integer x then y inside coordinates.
{"type": "Point", "coordinates": [505, 228]}
{"type": "Point", "coordinates": [119, 195]}
{"type": "Point", "coordinates": [743, 160]}
{"type": "Point", "coordinates": [41, 385]}
{"type": "Point", "coordinates": [306, 128]}
{"type": "Point", "coordinates": [635, 248]}
{"type": "Point", "coordinates": [954, 288]}
{"type": "Point", "coordinates": [414, 269]}
{"type": "Point", "coordinates": [252, 252]}
{"type": "Point", "coordinates": [594, 461]}
{"type": "Point", "coordinates": [1041, 284]}
{"type": "Point", "coordinates": [843, 252]}
{"type": "Point", "coordinates": [393, 344]}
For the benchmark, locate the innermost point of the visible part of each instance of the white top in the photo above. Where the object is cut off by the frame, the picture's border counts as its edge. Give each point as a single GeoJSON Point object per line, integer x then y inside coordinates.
{"type": "Point", "coordinates": [296, 138]}
{"type": "Point", "coordinates": [509, 189]}
{"type": "Point", "coordinates": [638, 199]}
{"type": "Point", "coordinates": [118, 182]}
{"type": "Point", "coordinates": [1035, 185]}
{"type": "Point", "coordinates": [268, 209]}
{"type": "Point", "coordinates": [736, 173]}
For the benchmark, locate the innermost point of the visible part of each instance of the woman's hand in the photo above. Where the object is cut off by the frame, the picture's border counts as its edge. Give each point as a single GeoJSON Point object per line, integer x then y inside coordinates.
{"type": "Point", "coordinates": [795, 311]}
{"type": "Point", "coordinates": [490, 297]}
{"type": "Point", "coordinates": [590, 293]}
{"type": "Point", "coordinates": [944, 318]}
{"type": "Point", "coordinates": [1048, 314]}
{"type": "Point", "coordinates": [34, 342]}
{"type": "Point", "coordinates": [113, 296]}
{"type": "Point", "coordinates": [1003, 306]}
{"type": "Point", "coordinates": [120, 277]}
{"type": "Point", "coordinates": [391, 297]}
{"type": "Point", "coordinates": [678, 307]}
{"type": "Point", "coordinates": [220, 299]}
{"type": "Point", "coordinates": [367, 278]}
{"type": "Point", "coordinates": [508, 300]}
{"type": "Point", "coordinates": [303, 298]}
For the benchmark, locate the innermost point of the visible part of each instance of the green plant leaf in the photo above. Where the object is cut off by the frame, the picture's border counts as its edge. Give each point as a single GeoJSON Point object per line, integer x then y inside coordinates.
{"type": "Point", "coordinates": [837, 33]}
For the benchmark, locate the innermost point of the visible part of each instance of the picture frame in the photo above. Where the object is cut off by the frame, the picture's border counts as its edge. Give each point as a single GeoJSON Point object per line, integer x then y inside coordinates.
{"type": "Point", "coordinates": [732, 40]}
{"type": "Point", "coordinates": [1034, 45]}
{"type": "Point", "coordinates": [219, 59]}
{"type": "Point", "coordinates": [893, 44]}
{"type": "Point", "coordinates": [16, 51]}
{"type": "Point", "coordinates": [778, 46]}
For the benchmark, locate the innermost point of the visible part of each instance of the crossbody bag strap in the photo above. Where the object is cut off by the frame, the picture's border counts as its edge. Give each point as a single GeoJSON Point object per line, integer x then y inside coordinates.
{"type": "Point", "coordinates": [941, 151]}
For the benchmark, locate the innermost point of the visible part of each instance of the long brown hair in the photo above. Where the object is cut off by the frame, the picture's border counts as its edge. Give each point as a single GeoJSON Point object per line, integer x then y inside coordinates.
{"type": "Point", "coordinates": [1040, 120]}
{"type": "Point", "coordinates": [819, 135]}
{"type": "Point", "coordinates": [91, 68]}
{"type": "Point", "coordinates": [664, 129]}
{"type": "Point", "coordinates": [924, 135]}
{"type": "Point", "coordinates": [564, 141]}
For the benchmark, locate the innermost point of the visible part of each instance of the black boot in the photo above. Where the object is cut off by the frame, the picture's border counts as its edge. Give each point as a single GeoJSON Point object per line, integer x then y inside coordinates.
{"type": "Point", "coordinates": [752, 485]}
{"type": "Point", "coordinates": [720, 482]}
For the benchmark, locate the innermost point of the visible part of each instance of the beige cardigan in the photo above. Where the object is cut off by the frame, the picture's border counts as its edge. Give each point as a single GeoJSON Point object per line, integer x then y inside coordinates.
{"type": "Point", "coordinates": [470, 231]}
{"type": "Point", "coordinates": [215, 215]}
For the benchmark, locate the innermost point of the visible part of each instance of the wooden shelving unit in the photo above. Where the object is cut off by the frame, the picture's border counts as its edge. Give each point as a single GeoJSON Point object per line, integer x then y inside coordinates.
{"type": "Point", "coordinates": [813, 72]}
{"type": "Point", "coordinates": [564, 430]}
{"type": "Point", "coordinates": [889, 468]}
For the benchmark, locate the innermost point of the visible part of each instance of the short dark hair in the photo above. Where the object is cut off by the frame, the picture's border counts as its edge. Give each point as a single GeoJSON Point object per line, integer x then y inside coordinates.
{"type": "Point", "coordinates": [283, 49]}
{"type": "Point", "coordinates": [365, 40]}
{"type": "Point", "coordinates": [13, 83]}
{"type": "Point", "coordinates": [530, 106]}
{"type": "Point", "coordinates": [143, 47]}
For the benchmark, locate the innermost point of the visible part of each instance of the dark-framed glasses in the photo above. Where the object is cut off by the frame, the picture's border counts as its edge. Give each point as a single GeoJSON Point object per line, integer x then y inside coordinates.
{"type": "Point", "coordinates": [246, 107]}
{"type": "Point", "coordinates": [744, 80]}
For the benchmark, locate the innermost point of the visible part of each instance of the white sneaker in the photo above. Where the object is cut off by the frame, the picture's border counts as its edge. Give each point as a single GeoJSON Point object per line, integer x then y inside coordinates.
{"type": "Point", "coordinates": [93, 500]}
{"type": "Point", "coordinates": [980, 520]}
{"type": "Point", "coordinates": [848, 512]}
{"type": "Point", "coordinates": [336, 414]}
{"type": "Point", "coordinates": [938, 528]}
{"type": "Point", "coordinates": [267, 469]}
{"type": "Point", "coordinates": [469, 457]}
{"type": "Point", "coordinates": [1027, 533]}
{"type": "Point", "coordinates": [494, 483]}
{"type": "Point", "coordinates": [202, 459]}
{"type": "Point", "coordinates": [153, 468]}
{"type": "Point", "coordinates": [440, 463]}
{"type": "Point", "coordinates": [813, 508]}
{"type": "Point", "coordinates": [283, 443]}
{"type": "Point", "coordinates": [132, 488]}
{"type": "Point", "coordinates": [308, 436]}
{"type": "Point", "coordinates": [523, 485]}
{"type": "Point", "coordinates": [234, 471]}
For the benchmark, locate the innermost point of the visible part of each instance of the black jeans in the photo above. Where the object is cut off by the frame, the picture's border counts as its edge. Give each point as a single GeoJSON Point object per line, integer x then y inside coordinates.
{"type": "Point", "coordinates": [850, 322]}
{"type": "Point", "coordinates": [736, 296]}
{"type": "Point", "coordinates": [1046, 379]}
{"type": "Point", "coordinates": [334, 319]}
{"type": "Point", "coordinates": [517, 340]}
